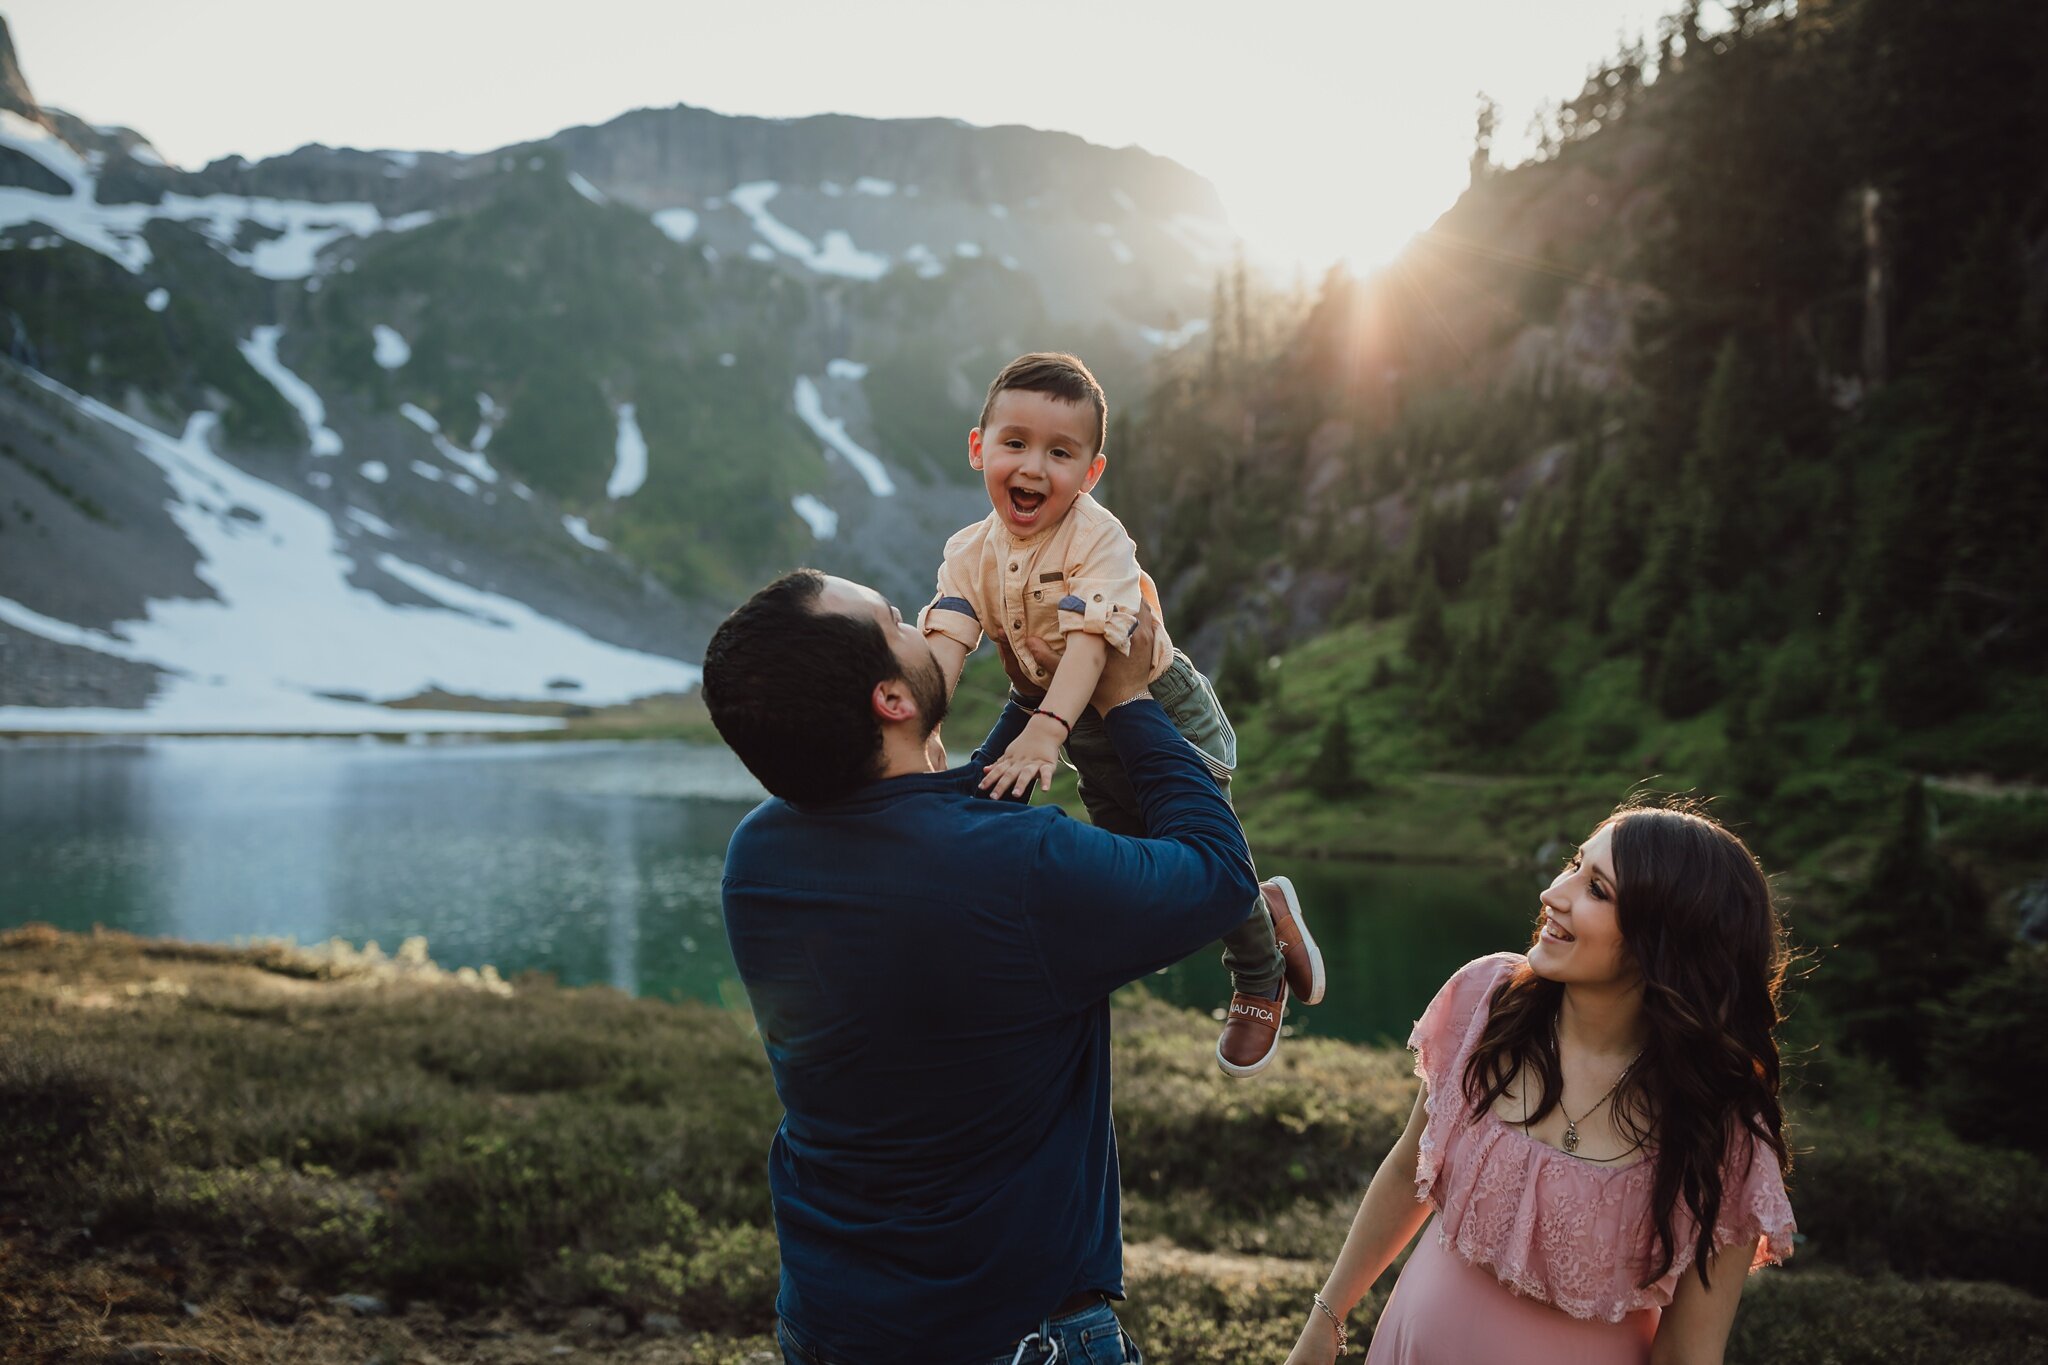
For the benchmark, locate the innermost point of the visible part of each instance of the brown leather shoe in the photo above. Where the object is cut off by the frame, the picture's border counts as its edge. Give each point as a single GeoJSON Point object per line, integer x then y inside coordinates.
{"type": "Point", "coordinates": [1298, 948]}
{"type": "Point", "coordinates": [1251, 1033]}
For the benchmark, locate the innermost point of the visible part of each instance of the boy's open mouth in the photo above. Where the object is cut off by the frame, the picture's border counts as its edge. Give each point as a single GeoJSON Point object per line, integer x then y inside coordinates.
{"type": "Point", "coordinates": [1025, 504]}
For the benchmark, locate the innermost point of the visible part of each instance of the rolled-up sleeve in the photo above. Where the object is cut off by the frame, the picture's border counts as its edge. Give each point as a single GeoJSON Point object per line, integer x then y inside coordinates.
{"type": "Point", "coordinates": [951, 613]}
{"type": "Point", "coordinates": [1103, 591]}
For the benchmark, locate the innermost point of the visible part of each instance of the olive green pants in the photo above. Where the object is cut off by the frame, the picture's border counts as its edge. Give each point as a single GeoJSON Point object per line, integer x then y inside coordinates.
{"type": "Point", "coordinates": [1250, 952]}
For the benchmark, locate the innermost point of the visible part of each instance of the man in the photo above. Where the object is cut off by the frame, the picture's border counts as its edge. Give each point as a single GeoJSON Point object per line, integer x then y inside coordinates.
{"type": "Point", "coordinates": [945, 1175]}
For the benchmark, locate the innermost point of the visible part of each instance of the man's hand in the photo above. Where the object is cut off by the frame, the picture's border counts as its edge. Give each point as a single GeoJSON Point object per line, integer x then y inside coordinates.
{"type": "Point", "coordinates": [1128, 675]}
{"type": "Point", "coordinates": [1028, 762]}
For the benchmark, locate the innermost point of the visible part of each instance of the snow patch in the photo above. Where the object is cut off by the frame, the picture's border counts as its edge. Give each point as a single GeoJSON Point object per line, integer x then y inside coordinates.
{"type": "Point", "coordinates": [586, 189]}
{"type": "Point", "coordinates": [998, 211]}
{"type": "Point", "coordinates": [758, 251]}
{"type": "Point", "coordinates": [810, 407]}
{"type": "Point", "coordinates": [728, 359]}
{"type": "Point", "coordinates": [157, 299]}
{"type": "Point", "coordinates": [928, 265]}
{"type": "Point", "coordinates": [1205, 238]}
{"type": "Point", "coordinates": [969, 249]}
{"type": "Point", "coordinates": [1179, 336]}
{"type": "Point", "coordinates": [420, 417]}
{"type": "Point", "coordinates": [629, 457]}
{"type": "Point", "coordinates": [869, 184]}
{"type": "Point", "coordinates": [679, 225]}
{"type": "Point", "coordinates": [834, 254]}
{"type": "Point", "coordinates": [375, 525]}
{"type": "Point", "coordinates": [260, 350]}
{"type": "Point", "coordinates": [846, 369]}
{"type": "Point", "coordinates": [299, 229]}
{"type": "Point", "coordinates": [489, 417]}
{"type": "Point", "coordinates": [286, 624]}
{"type": "Point", "coordinates": [580, 530]}
{"type": "Point", "coordinates": [823, 521]}
{"type": "Point", "coordinates": [392, 349]}
{"type": "Point", "coordinates": [374, 470]}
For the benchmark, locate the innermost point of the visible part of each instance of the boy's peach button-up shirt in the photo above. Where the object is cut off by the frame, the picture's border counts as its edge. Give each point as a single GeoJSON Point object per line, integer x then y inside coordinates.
{"type": "Point", "coordinates": [1079, 574]}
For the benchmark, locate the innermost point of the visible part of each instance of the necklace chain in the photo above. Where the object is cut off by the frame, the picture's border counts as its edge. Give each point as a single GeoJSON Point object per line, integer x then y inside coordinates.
{"type": "Point", "coordinates": [1571, 1125]}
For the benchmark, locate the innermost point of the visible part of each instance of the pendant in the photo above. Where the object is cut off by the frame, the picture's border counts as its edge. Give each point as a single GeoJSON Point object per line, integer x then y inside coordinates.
{"type": "Point", "coordinates": [1571, 1136]}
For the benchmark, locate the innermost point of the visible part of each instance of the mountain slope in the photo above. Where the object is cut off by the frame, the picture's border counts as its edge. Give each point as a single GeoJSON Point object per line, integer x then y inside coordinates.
{"type": "Point", "coordinates": [623, 373]}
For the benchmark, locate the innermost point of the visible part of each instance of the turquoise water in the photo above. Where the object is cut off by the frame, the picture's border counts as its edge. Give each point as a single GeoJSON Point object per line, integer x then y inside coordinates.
{"type": "Point", "coordinates": [596, 862]}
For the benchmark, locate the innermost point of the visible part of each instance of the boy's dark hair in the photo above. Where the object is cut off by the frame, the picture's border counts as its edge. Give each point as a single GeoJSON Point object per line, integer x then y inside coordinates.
{"type": "Point", "coordinates": [788, 687]}
{"type": "Point", "coordinates": [1056, 373]}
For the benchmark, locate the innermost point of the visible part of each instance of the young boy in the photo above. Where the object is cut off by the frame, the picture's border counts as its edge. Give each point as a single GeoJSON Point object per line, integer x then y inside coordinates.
{"type": "Point", "coordinates": [1050, 561]}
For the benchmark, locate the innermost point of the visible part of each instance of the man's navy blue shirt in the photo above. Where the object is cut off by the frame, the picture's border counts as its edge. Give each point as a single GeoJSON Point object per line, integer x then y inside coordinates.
{"type": "Point", "coordinates": [930, 971]}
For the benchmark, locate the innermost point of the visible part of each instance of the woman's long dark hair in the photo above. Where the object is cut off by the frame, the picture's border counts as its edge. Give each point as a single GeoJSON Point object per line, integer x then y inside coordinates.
{"type": "Point", "coordinates": [1696, 916]}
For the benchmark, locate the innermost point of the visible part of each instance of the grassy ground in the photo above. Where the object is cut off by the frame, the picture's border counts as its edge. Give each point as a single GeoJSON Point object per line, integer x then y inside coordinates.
{"type": "Point", "coordinates": [205, 1148]}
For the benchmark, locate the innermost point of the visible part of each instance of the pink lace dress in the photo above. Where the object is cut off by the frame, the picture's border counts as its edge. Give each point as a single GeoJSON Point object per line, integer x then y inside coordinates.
{"type": "Point", "coordinates": [1533, 1255]}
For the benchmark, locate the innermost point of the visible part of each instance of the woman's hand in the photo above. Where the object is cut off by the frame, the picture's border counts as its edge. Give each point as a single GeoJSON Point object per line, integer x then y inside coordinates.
{"type": "Point", "coordinates": [1317, 1344]}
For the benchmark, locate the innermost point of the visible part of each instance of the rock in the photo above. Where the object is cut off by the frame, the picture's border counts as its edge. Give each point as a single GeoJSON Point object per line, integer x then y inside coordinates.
{"type": "Point", "coordinates": [2033, 911]}
{"type": "Point", "coordinates": [362, 1305]}
{"type": "Point", "coordinates": [662, 1324]}
{"type": "Point", "coordinates": [598, 1322]}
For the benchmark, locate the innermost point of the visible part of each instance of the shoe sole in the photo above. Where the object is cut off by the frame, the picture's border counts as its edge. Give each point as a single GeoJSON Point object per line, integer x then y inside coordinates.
{"type": "Point", "coordinates": [1231, 1068]}
{"type": "Point", "coordinates": [1317, 978]}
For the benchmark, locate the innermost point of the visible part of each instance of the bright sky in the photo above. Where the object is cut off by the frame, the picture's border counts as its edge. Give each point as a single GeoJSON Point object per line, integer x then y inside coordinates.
{"type": "Point", "coordinates": [1332, 130]}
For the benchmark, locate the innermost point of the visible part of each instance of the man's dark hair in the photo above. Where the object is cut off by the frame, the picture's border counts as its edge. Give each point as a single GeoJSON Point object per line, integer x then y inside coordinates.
{"type": "Point", "coordinates": [788, 687]}
{"type": "Point", "coordinates": [1056, 373]}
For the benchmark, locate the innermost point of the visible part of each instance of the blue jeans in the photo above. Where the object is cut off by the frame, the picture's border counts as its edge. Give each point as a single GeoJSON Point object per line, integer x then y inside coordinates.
{"type": "Point", "coordinates": [1090, 1337]}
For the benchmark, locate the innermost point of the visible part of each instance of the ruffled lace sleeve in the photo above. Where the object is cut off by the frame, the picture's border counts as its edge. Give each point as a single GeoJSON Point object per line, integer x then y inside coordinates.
{"type": "Point", "coordinates": [1753, 1206]}
{"type": "Point", "coordinates": [1441, 1039]}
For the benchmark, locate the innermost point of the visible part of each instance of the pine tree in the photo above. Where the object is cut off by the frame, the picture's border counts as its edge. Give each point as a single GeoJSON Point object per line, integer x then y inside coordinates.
{"type": "Point", "coordinates": [1240, 679]}
{"type": "Point", "coordinates": [1330, 772]}
{"type": "Point", "coordinates": [1914, 931]}
{"type": "Point", "coordinates": [1687, 680]}
{"type": "Point", "coordinates": [1429, 641]}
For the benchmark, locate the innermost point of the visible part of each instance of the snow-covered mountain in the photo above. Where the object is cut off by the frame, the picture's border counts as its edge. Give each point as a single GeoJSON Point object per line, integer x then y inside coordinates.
{"type": "Point", "coordinates": [285, 439]}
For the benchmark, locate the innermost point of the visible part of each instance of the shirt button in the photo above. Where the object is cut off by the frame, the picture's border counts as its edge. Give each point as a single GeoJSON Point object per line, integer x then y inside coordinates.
{"type": "Point", "coordinates": [1098, 597]}
{"type": "Point", "coordinates": [1016, 625]}
{"type": "Point", "coordinates": [1013, 568]}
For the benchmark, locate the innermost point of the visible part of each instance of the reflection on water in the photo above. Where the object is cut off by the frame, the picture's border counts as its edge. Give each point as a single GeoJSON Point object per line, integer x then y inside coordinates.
{"type": "Point", "coordinates": [598, 862]}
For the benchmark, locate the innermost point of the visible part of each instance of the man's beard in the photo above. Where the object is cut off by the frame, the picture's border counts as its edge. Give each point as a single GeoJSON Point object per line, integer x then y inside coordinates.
{"type": "Point", "coordinates": [928, 688]}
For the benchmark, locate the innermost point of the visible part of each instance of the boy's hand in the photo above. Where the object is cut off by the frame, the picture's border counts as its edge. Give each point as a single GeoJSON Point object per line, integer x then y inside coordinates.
{"type": "Point", "coordinates": [1028, 762]}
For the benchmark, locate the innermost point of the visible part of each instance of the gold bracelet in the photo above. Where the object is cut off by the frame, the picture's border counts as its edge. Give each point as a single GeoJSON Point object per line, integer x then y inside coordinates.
{"type": "Point", "coordinates": [1343, 1337]}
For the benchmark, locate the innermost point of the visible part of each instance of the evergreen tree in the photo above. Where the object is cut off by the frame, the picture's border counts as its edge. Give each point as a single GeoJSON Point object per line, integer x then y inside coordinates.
{"type": "Point", "coordinates": [1913, 932]}
{"type": "Point", "coordinates": [1240, 679]}
{"type": "Point", "coordinates": [1687, 681]}
{"type": "Point", "coordinates": [1723, 462]}
{"type": "Point", "coordinates": [1429, 641]}
{"type": "Point", "coordinates": [1330, 772]}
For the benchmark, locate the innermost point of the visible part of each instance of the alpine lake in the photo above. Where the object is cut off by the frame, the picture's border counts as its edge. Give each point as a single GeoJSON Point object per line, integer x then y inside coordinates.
{"type": "Point", "coordinates": [594, 861]}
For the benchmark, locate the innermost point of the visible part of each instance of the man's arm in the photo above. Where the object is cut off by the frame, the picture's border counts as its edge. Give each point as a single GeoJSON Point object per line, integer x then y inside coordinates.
{"type": "Point", "coordinates": [1109, 909]}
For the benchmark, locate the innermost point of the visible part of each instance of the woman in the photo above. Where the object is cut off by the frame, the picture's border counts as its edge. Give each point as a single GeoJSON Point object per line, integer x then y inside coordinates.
{"type": "Point", "coordinates": [1598, 1133]}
